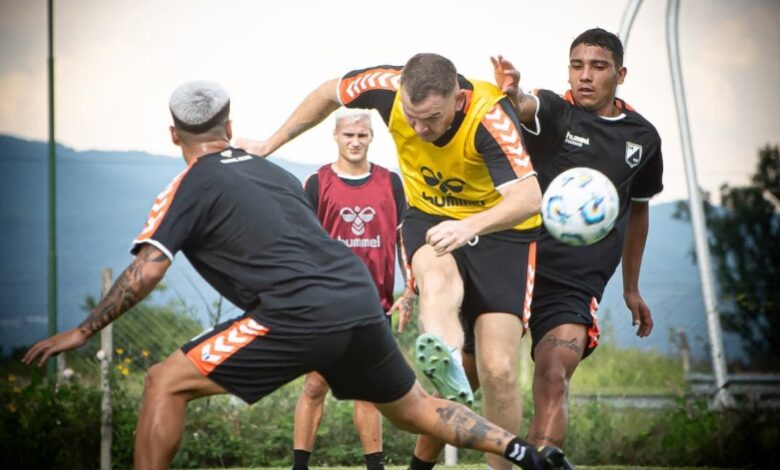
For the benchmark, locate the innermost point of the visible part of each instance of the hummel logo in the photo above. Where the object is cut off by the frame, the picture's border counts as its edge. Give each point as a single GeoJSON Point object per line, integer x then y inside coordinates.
{"type": "Point", "coordinates": [517, 453]}
{"type": "Point", "coordinates": [576, 140]}
{"type": "Point", "coordinates": [436, 180]}
{"type": "Point", "coordinates": [358, 217]}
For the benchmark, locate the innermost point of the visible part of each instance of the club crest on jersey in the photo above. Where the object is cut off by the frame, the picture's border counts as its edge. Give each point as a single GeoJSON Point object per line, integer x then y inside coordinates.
{"type": "Point", "coordinates": [633, 154]}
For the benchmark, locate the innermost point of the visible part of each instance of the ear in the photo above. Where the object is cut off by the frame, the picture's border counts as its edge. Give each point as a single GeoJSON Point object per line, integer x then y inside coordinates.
{"type": "Point", "coordinates": [460, 99]}
{"type": "Point", "coordinates": [622, 75]}
{"type": "Point", "coordinates": [229, 130]}
{"type": "Point", "coordinates": [174, 136]}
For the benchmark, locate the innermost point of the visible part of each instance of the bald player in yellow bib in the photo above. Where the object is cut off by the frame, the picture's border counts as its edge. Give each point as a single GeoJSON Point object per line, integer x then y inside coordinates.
{"type": "Point", "coordinates": [469, 234]}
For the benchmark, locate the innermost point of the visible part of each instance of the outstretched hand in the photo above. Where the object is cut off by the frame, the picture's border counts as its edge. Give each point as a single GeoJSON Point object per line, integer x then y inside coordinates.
{"type": "Point", "coordinates": [404, 305]}
{"type": "Point", "coordinates": [261, 148]}
{"type": "Point", "coordinates": [507, 76]}
{"type": "Point", "coordinates": [54, 345]}
{"type": "Point", "coordinates": [640, 313]}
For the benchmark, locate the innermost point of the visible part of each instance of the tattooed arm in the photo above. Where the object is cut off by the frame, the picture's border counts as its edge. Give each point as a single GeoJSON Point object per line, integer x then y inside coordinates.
{"type": "Point", "coordinates": [135, 283]}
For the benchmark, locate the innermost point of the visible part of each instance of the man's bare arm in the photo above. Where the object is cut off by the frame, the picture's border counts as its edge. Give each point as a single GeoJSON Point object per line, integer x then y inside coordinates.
{"type": "Point", "coordinates": [522, 200]}
{"type": "Point", "coordinates": [135, 283]}
{"type": "Point", "coordinates": [317, 106]}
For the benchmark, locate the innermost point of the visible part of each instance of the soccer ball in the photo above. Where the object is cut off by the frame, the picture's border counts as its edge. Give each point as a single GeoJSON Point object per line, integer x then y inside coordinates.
{"type": "Point", "coordinates": [580, 206]}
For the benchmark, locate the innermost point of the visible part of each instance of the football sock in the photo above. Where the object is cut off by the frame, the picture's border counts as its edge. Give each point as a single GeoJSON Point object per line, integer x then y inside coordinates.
{"type": "Point", "coordinates": [301, 459]}
{"type": "Point", "coordinates": [417, 464]}
{"type": "Point", "coordinates": [375, 461]}
{"type": "Point", "coordinates": [522, 454]}
{"type": "Point", "coordinates": [455, 354]}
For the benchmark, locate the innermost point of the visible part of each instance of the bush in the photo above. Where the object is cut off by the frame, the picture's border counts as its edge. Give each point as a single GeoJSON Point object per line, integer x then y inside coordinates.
{"type": "Point", "coordinates": [43, 427]}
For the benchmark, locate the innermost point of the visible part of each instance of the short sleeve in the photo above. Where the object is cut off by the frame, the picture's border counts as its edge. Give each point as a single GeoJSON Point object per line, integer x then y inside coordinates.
{"type": "Point", "coordinates": [173, 219]}
{"type": "Point", "coordinates": [371, 88]}
{"type": "Point", "coordinates": [649, 180]}
{"type": "Point", "coordinates": [499, 140]}
{"type": "Point", "coordinates": [311, 187]}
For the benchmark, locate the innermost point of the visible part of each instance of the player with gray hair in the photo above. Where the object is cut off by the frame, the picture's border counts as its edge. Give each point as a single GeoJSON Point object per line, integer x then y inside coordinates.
{"type": "Point", "coordinates": [361, 204]}
{"type": "Point", "coordinates": [310, 305]}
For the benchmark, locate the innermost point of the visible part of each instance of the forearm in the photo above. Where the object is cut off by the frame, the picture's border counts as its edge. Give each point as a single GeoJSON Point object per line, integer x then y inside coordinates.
{"type": "Point", "coordinates": [135, 283]}
{"type": "Point", "coordinates": [521, 201]}
{"type": "Point", "coordinates": [634, 245]}
{"type": "Point", "coordinates": [318, 105]}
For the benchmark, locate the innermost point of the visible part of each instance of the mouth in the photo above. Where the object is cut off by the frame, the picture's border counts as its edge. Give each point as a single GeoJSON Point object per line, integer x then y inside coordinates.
{"type": "Point", "coordinates": [586, 91]}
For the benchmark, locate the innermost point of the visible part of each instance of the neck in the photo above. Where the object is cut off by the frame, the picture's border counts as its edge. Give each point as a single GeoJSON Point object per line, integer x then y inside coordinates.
{"type": "Point", "coordinates": [347, 168]}
{"type": "Point", "coordinates": [194, 151]}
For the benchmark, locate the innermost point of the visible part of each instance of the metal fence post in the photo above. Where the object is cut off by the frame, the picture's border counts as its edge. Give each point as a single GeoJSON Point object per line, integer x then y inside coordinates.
{"type": "Point", "coordinates": [106, 412]}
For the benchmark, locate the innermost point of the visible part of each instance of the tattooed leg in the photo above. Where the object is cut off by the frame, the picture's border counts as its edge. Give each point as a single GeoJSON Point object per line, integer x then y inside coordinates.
{"type": "Point", "coordinates": [455, 424]}
{"type": "Point", "coordinates": [557, 356]}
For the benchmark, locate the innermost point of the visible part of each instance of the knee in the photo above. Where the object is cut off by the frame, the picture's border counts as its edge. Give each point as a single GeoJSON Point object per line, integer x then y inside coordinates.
{"type": "Point", "coordinates": [315, 389]}
{"type": "Point", "coordinates": [155, 379]}
{"type": "Point", "coordinates": [551, 381]}
{"type": "Point", "coordinates": [496, 377]}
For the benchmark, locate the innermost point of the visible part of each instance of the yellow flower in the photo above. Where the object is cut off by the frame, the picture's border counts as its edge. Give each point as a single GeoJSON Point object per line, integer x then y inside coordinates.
{"type": "Point", "coordinates": [120, 351]}
{"type": "Point", "coordinates": [12, 407]}
{"type": "Point", "coordinates": [16, 390]}
{"type": "Point", "coordinates": [119, 367]}
{"type": "Point", "coordinates": [145, 353]}
{"type": "Point", "coordinates": [128, 360]}
{"type": "Point", "coordinates": [125, 371]}
{"type": "Point", "coordinates": [11, 378]}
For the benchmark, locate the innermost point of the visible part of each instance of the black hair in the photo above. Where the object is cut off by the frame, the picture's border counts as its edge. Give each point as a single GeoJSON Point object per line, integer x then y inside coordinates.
{"type": "Point", "coordinates": [603, 39]}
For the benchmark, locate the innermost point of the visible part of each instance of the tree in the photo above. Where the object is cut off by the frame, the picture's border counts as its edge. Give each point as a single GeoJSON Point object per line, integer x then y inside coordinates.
{"type": "Point", "coordinates": [744, 240]}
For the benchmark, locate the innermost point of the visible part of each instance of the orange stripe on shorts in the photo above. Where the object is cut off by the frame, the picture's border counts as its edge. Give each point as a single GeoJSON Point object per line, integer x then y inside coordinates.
{"type": "Point", "coordinates": [529, 284]}
{"type": "Point", "coordinates": [217, 349]}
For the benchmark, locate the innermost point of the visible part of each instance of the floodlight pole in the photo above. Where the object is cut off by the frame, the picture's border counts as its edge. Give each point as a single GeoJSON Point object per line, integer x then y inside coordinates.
{"type": "Point", "coordinates": [628, 20]}
{"type": "Point", "coordinates": [52, 258]}
{"type": "Point", "coordinates": [722, 397]}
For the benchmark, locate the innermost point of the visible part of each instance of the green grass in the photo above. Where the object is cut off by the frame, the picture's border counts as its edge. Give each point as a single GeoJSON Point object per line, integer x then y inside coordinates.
{"type": "Point", "coordinates": [482, 467]}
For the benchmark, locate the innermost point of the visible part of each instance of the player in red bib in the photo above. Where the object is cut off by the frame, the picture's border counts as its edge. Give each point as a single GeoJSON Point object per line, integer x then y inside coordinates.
{"type": "Point", "coordinates": [360, 204]}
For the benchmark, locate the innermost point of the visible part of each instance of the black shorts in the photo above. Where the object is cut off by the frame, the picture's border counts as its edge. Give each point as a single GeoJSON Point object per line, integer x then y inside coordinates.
{"type": "Point", "coordinates": [497, 271]}
{"type": "Point", "coordinates": [249, 361]}
{"type": "Point", "coordinates": [557, 304]}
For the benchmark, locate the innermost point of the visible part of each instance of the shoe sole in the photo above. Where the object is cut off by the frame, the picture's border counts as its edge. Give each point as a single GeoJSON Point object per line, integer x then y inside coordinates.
{"type": "Point", "coordinates": [433, 358]}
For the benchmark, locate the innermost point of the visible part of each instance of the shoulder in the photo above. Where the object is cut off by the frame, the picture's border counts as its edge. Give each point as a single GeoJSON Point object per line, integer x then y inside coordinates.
{"type": "Point", "coordinates": [635, 117]}
{"type": "Point", "coordinates": [385, 78]}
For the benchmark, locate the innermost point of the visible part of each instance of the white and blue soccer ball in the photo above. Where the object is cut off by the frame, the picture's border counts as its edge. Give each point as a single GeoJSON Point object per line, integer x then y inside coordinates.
{"type": "Point", "coordinates": [580, 206]}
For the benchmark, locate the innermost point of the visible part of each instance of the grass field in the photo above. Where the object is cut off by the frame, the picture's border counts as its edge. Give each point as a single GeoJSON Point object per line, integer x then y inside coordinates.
{"type": "Point", "coordinates": [482, 467]}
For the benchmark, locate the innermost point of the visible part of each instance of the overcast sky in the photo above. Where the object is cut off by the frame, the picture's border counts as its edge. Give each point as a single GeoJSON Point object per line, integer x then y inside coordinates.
{"type": "Point", "coordinates": [117, 61]}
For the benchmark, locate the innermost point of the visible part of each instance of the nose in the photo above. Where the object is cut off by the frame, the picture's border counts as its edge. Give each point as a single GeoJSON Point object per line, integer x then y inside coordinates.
{"type": "Point", "coordinates": [420, 128]}
{"type": "Point", "coordinates": [586, 74]}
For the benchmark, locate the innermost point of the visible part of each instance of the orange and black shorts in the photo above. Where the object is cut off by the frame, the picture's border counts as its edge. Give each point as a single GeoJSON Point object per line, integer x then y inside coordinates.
{"type": "Point", "coordinates": [497, 271]}
{"type": "Point", "coordinates": [556, 304]}
{"type": "Point", "coordinates": [250, 361]}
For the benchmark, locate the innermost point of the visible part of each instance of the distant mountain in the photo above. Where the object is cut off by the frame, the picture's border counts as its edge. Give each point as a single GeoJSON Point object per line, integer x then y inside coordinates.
{"type": "Point", "coordinates": [103, 199]}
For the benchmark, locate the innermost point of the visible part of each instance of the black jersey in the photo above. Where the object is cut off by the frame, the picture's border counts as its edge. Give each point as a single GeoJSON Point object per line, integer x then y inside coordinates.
{"type": "Point", "coordinates": [245, 225]}
{"type": "Point", "coordinates": [626, 148]}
